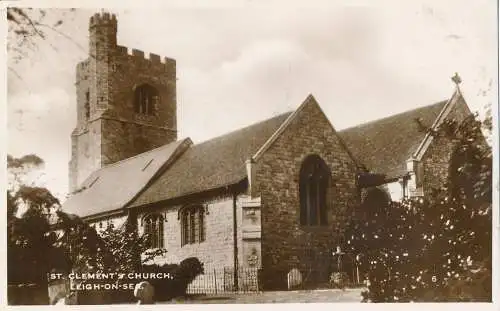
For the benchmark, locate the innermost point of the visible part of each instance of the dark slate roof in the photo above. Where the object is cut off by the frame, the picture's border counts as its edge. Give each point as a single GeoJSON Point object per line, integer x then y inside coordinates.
{"type": "Point", "coordinates": [114, 185]}
{"type": "Point", "coordinates": [211, 164]}
{"type": "Point", "coordinates": [384, 145]}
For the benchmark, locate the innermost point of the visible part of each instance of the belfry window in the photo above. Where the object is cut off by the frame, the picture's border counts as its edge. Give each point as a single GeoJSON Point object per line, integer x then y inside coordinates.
{"type": "Point", "coordinates": [153, 228]}
{"type": "Point", "coordinates": [146, 98]}
{"type": "Point", "coordinates": [192, 225]}
{"type": "Point", "coordinates": [313, 189]}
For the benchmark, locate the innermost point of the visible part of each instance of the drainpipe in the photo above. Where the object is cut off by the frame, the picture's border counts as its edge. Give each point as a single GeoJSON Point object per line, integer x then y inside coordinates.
{"type": "Point", "coordinates": [250, 174]}
{"type": "Point", "coordinates": [235, 242]}
{"type": "Point", "coordinates": [405, 179]}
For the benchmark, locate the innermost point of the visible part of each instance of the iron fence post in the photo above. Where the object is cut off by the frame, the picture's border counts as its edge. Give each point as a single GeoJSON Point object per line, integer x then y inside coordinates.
{"type": "Point", "coordinates": [215, 279]}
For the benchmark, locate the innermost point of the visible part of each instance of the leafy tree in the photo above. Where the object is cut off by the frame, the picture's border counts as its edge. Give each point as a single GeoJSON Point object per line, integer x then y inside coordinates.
{"type": "Point", "coordinates": [30, 243]}
{"type": "Point", "coordinates": [436, 248]}
{"type": "Point", "coordinates": [34, 249]}
{"type": "Point", "coordinates": [123, 249]}
{"type": "Point", "coordinates": [112, 250]}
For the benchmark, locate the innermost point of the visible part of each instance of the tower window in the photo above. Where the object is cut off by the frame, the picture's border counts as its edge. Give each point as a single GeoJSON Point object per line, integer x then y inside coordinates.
{"type": "Point", "coordinates": [314, 181]}
{"type": "Point", "coordinates": [153, 228]}
{"type": "Point", "coordinates": [192, 225]}
{"type": "Point", "coordinates": [146, 98]}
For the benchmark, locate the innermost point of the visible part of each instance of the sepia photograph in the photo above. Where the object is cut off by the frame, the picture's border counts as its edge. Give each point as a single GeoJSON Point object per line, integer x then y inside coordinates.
{"type": "Point", "coordinates": [251, 152]}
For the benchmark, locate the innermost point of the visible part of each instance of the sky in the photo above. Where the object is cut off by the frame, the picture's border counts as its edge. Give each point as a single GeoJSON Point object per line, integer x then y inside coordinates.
{"type": "Point", "coordinates": [238, 64]}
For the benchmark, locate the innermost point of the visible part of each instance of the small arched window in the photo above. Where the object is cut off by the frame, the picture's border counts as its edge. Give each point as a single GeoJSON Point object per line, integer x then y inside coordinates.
{"type": "Point", "coordinates": [146, 98]}
{"type": "Point", "coordinates": [313, 189]}
{"type": "Point", "coordinates": [153, 228]}
{"type": "Point", "coordinates": [192, 224]}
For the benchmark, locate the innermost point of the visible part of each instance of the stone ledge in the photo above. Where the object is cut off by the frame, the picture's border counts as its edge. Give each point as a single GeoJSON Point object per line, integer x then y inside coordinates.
{"type": "Point", "coordinates": [251, 234]}
{"type": "Point", "coordinates": [248, 201]}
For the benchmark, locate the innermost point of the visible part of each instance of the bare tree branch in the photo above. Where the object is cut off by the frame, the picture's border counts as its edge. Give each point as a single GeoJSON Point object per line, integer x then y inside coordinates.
{"type": "Point", "coordinates": [15, 73]}
{"type": "Point", "coordinates": [63, 34]}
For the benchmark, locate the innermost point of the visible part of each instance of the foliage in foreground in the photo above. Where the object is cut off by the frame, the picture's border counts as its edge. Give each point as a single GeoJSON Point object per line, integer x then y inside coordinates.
{"type": "Point", "coordinates": [436, 248]}
{"type": "Point", "coordinates": [34, 248]}
{"type": "Point", "coordinates": [181, 276]}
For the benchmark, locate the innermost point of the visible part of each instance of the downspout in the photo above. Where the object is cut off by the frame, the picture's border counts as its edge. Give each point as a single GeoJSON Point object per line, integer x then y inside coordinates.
{"type": "Point", "coordinates": [235, 242]}
{"type": "Point", "coordinates": [405, 179]}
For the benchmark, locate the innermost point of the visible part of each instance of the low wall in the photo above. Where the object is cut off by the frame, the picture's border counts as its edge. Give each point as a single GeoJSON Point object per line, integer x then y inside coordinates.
{"type": "Point", "coordinates": [27, 294]}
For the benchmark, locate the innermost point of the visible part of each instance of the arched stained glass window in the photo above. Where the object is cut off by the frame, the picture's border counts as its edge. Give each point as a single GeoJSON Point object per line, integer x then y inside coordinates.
{"type": "Point", "coordinates": [192, 224]}
{"type": "Point", "coordinates": [153, 228]}
{"type": "Point", "coordinates": [313, 189]}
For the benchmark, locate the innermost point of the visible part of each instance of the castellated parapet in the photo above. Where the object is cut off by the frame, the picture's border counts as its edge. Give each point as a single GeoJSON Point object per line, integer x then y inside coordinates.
{"type": "Point", "coordinates": [109, 126]}
{"type": "Point", "coordinates": [99, 19]}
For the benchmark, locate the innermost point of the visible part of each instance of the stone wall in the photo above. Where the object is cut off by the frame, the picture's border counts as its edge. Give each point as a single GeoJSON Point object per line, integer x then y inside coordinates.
{"type": "Point", "coordinates": [122, 139]}
{"type": "Point", "coordinates": [85, 153]}
{"type": "Point", "coordinates": [436, 158]}
{"type": "Point", "coordinates": [108, 129]}
{"type": "Point", "coordinates": [395, 190]}
{"type": "Point", "coordinates": [217, 251]}
{"type": "Point", "coordinates": [284, 241]}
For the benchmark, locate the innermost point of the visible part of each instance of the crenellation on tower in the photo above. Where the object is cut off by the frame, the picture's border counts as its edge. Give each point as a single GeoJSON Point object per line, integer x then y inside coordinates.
{"type": "Point", "coordinates": [121, 50]}
{"type": "Point", "coordinates": [100, 19]}
{"type": "Point", "coordinates": [138, 53]}
{"type": "Point", "coordinates": [171, 68]}
{"type": "Point", "coordinates": [155, 58]}
{"type": "Point", "coordinates": [126, 102]}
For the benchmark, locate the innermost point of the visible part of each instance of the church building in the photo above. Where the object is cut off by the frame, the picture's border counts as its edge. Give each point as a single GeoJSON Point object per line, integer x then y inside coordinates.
{"type": "Point", "coordinates": [273, 195]}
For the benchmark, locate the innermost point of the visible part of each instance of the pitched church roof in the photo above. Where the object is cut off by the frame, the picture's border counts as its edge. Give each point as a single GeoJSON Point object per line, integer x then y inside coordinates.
{"type": "Point", "coordinates": [181, 168]}
{"type": "Point", "coordinates": [113, 186]}
{"type": "Point", "coordinates": [144, 178]}
{"type": "Point", "coordinates": [212, 164]}
{"type": "Point", "coordinates": [385, 145]}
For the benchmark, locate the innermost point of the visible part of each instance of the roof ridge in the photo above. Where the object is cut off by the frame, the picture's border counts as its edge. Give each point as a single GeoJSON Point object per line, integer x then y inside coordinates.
{"type": "Point", "coordinates": [442, 115]}
{"type": "Point", "coordinates": [178, 152]}
{"type": "Point", "coordinates": [443, 102]}
{"type": "Point", "coordinates": [180, 141]}
{"type": "Point", "coordinates": [243, 128]}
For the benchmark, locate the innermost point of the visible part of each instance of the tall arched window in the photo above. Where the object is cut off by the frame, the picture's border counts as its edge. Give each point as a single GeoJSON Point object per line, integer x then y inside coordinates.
{"type": "Point", "coordinates": [153, 228]}
{"type": "Point", "coordinates": [146, 96]}
{"type": "Point", "coordinates": [313, 189]}
{"type": "Point", "coordinates": [192, 224]}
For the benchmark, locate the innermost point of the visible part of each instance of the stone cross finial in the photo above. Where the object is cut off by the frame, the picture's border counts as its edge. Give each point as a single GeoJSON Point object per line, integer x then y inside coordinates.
{"type": "Point", "coordinates": [456, 79]}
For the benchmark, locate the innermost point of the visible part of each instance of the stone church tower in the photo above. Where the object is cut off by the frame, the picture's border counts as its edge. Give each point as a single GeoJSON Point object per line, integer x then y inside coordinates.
{"type": "Point", "coordinates": [126, 103]}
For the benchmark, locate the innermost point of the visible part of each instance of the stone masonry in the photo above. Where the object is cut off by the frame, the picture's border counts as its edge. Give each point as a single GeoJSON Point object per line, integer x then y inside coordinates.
{"type": "Point", "coordinates": [437, 156]}
{"type": "Point", "coordinates": [285, 243]}
{"type": "Point", "coordinates": [108, 129]}
{"type": "Point", "coordinates": [217, 249]}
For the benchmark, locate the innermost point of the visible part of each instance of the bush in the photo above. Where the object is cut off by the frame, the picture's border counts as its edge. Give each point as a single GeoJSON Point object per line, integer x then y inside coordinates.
{"type": "Point", "coordinates": [181, 276]}
{"type": "Point", "coordinates": [436, 248]}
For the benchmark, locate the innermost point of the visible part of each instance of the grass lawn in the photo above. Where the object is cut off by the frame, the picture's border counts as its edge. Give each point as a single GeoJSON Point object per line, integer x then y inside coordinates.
{"type": "Point", "coordinates": [326, 295]}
